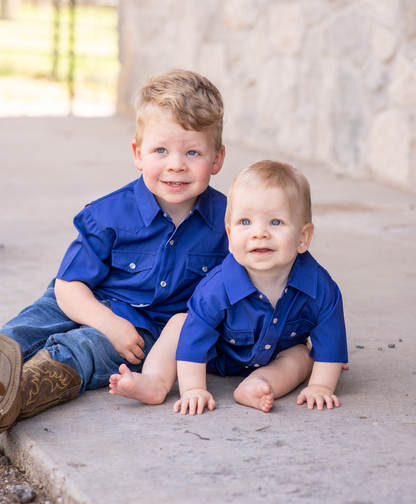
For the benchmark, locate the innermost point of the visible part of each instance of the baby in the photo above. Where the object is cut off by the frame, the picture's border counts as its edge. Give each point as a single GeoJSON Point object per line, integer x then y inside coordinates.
{"type": "Point", "coordinates": [252, 316]}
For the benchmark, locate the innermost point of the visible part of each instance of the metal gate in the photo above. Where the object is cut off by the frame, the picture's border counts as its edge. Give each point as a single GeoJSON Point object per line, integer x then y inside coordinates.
{"type": "Point", "coordinates": [69, 47]}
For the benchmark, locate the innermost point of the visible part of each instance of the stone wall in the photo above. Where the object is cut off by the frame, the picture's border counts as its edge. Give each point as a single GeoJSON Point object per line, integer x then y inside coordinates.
{"type": "Point", "coordinates": [328, 81]}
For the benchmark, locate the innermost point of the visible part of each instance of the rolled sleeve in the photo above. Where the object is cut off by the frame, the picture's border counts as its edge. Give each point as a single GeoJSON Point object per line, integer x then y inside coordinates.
{"type": "Point", "coordinates": [87, 258]}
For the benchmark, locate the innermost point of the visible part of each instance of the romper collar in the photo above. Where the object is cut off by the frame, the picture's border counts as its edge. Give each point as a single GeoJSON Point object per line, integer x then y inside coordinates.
{"type": "Point", "coordinates": [304, 274]}
{"type": "Point", "coordinates": [303, 277]}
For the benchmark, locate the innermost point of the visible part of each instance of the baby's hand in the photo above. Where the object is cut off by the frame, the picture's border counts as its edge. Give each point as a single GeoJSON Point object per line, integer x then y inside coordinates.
{"type": "Point", "coordinates": [320, 395]}
{"type": "Point", "coordinates": [195, 400]}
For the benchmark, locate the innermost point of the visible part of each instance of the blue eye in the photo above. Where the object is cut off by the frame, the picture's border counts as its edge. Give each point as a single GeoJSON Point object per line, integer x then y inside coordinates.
{"type": "Point", "coordinates": [192, 153]}
{"type": "Point", "coordinates": [245, 222]}
{"type": "Point", "coordinates": [161, 150]}
{"type": "Point", "coordinates": [276, 222]}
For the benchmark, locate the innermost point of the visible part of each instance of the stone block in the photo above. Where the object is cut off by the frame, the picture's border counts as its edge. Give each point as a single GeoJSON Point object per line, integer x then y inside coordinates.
{"type": "Point", "coordinates": [389, 146]}
{"type": "Point", "coordinates": [384, 43]}
{"type": "Point", "coordinates": [286, 28]}
{"type": "Point", "coordinates": [403, 84]}
{"type": "Point", "coordinates": [348, 121]}
{"type": "Point", "coordinates": [347, 34]}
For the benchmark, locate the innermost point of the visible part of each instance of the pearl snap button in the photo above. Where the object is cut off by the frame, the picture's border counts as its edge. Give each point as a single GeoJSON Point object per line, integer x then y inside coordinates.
{"type": "Point", "coordinates": [293, 334]}
{"type": "Point", "coordinates": [267, 347]}
{"type": "Point", "coordinates": [275, 321]}
{"type": "Point", "coordinates": [256, 365]}
{"type": "Point", "coordinates": [171, 242]}
{"type": "Point", "coordinates": [232, 341]}
{"type": "Point", "coordinates": [261, 296]}
{"type": "Point", "coordinates": [132, 266]}
{"type": "Point", "coordinates": [165, 214]}
{"type": "Point", "coordinates": [286, 290]}
{"type": "Point", "coordinates": [204, 269]}
{"type": "Point", "coordinates": [163, 283]}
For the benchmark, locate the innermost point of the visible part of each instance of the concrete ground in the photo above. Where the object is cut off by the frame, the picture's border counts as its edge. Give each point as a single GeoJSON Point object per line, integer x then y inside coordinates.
{"type": "Point", "coordinates": [103, 449]}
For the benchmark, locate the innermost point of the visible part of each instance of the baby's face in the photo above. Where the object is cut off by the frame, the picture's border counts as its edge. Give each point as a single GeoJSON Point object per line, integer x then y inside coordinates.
{"type": "Point", "coordinates": [177, 164]}
{"type": "Point", "coordinates": [265, 235]}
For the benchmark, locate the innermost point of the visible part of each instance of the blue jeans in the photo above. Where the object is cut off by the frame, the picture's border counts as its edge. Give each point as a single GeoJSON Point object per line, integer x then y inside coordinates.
{"type": "Point", "coordinates": [44, 325]}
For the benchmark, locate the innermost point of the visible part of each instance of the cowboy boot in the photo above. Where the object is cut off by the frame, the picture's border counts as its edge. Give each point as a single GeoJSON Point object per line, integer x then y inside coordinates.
{"type": "Point", "coordinates": [45, 383]}
{"type": "Point", "coordinates": [11, 362]}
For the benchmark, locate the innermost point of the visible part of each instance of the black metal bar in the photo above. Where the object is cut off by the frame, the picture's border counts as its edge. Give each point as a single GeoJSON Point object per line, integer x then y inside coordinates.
{"type": "Point", "coordinates": [71, 49]}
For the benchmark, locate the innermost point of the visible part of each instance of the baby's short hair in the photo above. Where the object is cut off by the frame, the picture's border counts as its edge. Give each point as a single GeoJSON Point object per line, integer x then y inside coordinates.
{"type": "Point", "coordinates": [274, 174]}
{"type": "Point", "coordinates": [192, 101]}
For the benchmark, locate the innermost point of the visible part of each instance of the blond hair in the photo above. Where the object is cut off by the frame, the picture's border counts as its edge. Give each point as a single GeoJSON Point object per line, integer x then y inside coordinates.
{"type": "Point", "coordinates": [190, 99]}
{"type": "Point", "coordinates": [274, 174]}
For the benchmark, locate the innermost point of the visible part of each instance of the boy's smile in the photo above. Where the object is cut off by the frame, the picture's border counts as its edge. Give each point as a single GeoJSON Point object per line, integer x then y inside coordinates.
{"type": "Point", "coordinates": [265, 233]}
{"type": "Point", "coordinates": [177, 164]}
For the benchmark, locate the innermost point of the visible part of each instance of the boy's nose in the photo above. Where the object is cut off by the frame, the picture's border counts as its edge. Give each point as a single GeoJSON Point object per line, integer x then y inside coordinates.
{"type": "Point", "coordinates": [177, 164]}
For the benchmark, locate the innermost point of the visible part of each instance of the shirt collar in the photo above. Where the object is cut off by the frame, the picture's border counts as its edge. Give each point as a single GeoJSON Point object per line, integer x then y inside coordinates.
{"type": "Point", "coordinates": [304, 274]}
{"type": "Point", "coordinates": [236, 281]}
{"type": "Point", "coordinates": [149, 207]}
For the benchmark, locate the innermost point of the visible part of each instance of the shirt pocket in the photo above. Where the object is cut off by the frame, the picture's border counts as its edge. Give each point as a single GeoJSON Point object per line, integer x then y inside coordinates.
{"type": "Point", "coordinates": [297, 330]}
{"type": "Point", "coordinates": [131, 266]}
{"type": "Point", "coordinates": [237, 338]}
{"type": "Point", "coordinates": [201, 264]}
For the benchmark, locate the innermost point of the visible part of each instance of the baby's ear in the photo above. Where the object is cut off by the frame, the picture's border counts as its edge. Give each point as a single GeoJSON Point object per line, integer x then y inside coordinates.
{"type": "Point", "coordinates": [305, 237]}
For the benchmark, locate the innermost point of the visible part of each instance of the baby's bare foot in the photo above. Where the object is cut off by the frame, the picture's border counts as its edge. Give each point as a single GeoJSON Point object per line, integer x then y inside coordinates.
{"type": "Point", "coordinates": [142, 387]}
{"type": "Point", "coordinates": [255, 393]}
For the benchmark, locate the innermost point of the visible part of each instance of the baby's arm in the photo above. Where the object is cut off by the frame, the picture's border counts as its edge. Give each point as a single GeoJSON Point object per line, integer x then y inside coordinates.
{"type": "Point", "coordinates": [193, 389]}
{"type": "Point", "coordinates": [78, 303]}
{"type": "Point", "coordinates": [321, 386]}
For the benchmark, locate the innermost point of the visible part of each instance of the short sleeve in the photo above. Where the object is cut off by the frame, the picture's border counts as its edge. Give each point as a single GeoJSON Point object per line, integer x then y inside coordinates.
{"type": "Point", "coordinates": [329, 340]}
{"type": "Point", "coordinates": [199, 334]}
{"type": "Point", "coordinates": [87, 258]}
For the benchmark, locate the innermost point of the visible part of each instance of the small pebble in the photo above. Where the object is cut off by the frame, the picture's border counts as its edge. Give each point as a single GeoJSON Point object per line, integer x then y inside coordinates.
{"type": "Point", "coordinates": [391, 345]}
{"type": "Point", "coordinates": [380, 348]}
{"type": "Point", "coordinates": [24, 493]}
{"type": "Point", "coordinates": [359, 346]}
{"type": "Point", "coordinates": [400, 340]}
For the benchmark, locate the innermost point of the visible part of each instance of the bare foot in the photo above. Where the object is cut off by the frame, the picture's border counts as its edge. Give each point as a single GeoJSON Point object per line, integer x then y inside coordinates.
{"type": "Point", "coordinates": [255, 393]}
{"type": "Point", "coordinates": [142, 387]}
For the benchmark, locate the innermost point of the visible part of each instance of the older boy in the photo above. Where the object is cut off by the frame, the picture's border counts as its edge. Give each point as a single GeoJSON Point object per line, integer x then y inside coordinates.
{"type": "Point", "coordinates": [252, 315]}
{"type": "Point", "coordinates": [139, 255]}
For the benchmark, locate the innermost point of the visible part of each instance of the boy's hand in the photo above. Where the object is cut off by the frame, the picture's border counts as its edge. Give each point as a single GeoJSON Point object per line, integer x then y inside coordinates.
{"type": "Point", "coordinates": [195, 400]}
{"type": "Point", "coordinates": [319, 395]}
{"type": "Point", "coordinates": [125, 339]}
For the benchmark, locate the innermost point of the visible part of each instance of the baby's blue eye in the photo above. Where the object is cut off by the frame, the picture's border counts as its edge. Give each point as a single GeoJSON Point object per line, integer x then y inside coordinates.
{"type": "Point", "coordinates": [245, 222]}
{"type": "Point", "coordinates": [161, 150]}
{"type": "Point", "coordinates": [192, 153]}
{"type": "Point", "coordinates": [276, 222]}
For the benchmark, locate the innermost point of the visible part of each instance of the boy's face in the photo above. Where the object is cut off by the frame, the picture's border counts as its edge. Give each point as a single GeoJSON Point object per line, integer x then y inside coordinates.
{"type": "Point", "coordinates": [177, 164]}
{"type": "Point", "coordinates": [265, 235]}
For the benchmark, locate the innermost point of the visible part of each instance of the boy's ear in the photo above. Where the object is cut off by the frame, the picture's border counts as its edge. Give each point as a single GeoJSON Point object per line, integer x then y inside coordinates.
{"type": "Point", "coordinates": [137, 156]}
{"type": "Point", "coordinates": [218, 161]}
{"type": "Point", "coordinates": [305, 237]}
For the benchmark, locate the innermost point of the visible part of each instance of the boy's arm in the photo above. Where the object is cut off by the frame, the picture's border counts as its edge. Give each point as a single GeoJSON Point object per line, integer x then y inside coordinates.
{"type": "Point", "coordinates": [192, 378]}
{"type": "Point", "coordinates": [321, 386]}
{"type": "Point", "coordinates": [78, 303]}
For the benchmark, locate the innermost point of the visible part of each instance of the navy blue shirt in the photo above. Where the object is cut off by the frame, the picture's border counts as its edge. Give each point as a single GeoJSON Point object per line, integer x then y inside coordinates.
{"type": "Point", "coordinates": [233, 326]}
{"type": "Point", "coordinates": [129, 252]}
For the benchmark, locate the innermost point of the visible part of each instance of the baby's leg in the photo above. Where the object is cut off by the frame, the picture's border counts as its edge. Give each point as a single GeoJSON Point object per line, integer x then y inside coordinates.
{"type": "Point", "coordinates": [159, 369]}
{"type": "Point", "coordinates": [290, 368]}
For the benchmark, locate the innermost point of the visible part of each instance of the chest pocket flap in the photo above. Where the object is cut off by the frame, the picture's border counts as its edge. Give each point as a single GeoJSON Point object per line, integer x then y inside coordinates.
{"type": "Point", "coordinates": [234, 337]}
{"type": "Point", "coordinates": [201, 264]}
{"type": "Point", "coordinates": [132, 261]}
{"type": "Point", "coordinates": [298, 329]}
